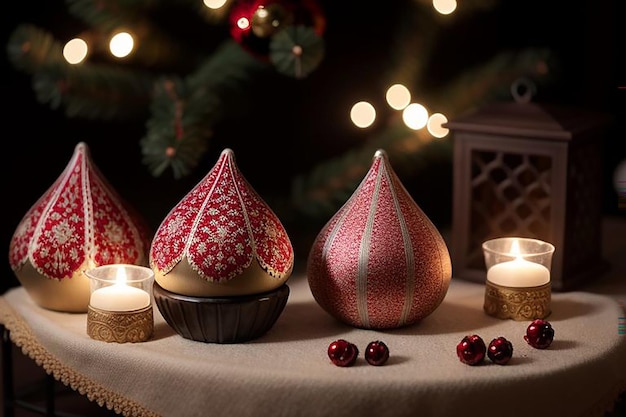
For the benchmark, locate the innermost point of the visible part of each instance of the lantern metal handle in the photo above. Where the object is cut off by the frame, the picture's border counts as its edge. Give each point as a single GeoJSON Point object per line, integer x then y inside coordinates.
{"type": "Point", "coordinates": [523, 90]}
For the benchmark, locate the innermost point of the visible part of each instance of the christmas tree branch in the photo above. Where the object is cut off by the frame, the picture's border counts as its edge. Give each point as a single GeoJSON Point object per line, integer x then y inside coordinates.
{"type": "Point", "coordinates": [327, 186]}
{"type": "Point", "coordinates": [91, 91]}
{"type": "Point", "coordinates": [416, 36]}
{"type": "Point", "coordinates": [185, 111]}
{"type": "Point", "coordinates": [330, 184]}
{"type": "Point", "coordinates": [155, 49]}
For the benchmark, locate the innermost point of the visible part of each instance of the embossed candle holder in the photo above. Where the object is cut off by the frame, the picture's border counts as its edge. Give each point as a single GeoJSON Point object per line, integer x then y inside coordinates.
{"type": "Point", "coordinates": [518, 284]}
{"type": "Point", "coordinates": [120, 304]}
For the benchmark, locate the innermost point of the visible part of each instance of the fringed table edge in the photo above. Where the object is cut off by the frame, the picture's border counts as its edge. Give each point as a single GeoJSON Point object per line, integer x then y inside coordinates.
{"type": "Point", "coordinates": [23, 338]}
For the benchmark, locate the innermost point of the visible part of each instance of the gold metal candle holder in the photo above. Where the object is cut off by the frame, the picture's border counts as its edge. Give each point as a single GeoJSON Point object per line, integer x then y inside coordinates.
{"type": "Point", "coordinates": [120, 326]}
{"type": "Point", "coordinates": [120, 305]}
{"type": "Point", "coordinates": [517, 303]}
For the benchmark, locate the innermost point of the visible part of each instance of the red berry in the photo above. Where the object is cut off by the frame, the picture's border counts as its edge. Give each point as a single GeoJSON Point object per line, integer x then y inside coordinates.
{"type": "Point", "coordinates": [471, 349]}
{"type": "Point", "coordinates": [539, 334]}
{"type": "Point", "coordinates": [500, 350]}
{"type": "Point", "coordinates": [343, 353]}
{"type": "Point", "coordinates": [377, 353]}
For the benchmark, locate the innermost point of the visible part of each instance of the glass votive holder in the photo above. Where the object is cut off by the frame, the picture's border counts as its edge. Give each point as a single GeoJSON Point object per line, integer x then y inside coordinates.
{"type": "Point", "coordinates": [518, 283]}
{"type": "Point", "coordinates": [120, 303]}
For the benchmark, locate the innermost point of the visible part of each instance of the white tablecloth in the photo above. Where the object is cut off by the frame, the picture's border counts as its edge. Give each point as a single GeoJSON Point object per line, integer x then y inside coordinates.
{"type": "Point", "coordinates": [287, 372]}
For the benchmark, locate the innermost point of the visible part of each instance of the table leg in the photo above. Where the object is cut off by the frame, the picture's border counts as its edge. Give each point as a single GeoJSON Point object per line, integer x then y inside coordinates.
{"type": "Point", "coordinates": [8, 391]}
{"type": "Point", "coordinates": [50, 395]}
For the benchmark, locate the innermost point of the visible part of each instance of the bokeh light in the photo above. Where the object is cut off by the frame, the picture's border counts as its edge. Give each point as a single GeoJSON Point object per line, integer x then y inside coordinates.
{"type": "Point", "coordinates": [435, 127]}
{"type": "Point", "coordinates": [75, 51]}
{"type": "Point", "coordinates": [243, 23]}
{"type": "Point", "coordinates": [415, 116]}
{"type": "Point", "coordinates": [444, 6]}
{"type": "Point", "coordinates": [121, 44]}
{"type": "Point", "coordinates": [398, 96]}
{"type": "Point", "coordinates": [214, 4]}
{"type": "Point", "coordinates": [363, 114]}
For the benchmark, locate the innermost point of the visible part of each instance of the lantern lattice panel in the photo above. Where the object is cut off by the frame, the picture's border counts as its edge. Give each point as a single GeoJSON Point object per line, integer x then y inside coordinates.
{"type": "Point", "coordinates": [526, 170]}
{"type": "Point", "coordinates": [510, 194]}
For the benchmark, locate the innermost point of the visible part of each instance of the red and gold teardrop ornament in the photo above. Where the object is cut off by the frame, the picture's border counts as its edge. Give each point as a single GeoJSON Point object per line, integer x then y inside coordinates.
{"type": "Point", "coordinates": [79, 223]}
{"type": "Point", "coordinates": [221, 239]}
{"type": "Point", "coordinates": [379, 262]}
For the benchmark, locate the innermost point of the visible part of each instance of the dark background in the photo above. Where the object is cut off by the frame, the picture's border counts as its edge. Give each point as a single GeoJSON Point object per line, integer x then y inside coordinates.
{"type": "Point", "coordinates": [312, 114]}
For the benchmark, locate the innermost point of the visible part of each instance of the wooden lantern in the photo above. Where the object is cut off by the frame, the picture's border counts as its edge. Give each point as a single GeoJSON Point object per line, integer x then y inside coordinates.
{"type": "Point", "coordinates": [529, 170]}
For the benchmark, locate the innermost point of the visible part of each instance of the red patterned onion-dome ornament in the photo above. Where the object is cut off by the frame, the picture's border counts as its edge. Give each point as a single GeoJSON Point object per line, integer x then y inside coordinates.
{"type": "Point", "coordinates": [379, 263]}
{"type": "Point", "coordinates": [79, 223]}
{"type": "Point", "coordinates": [221, 239]}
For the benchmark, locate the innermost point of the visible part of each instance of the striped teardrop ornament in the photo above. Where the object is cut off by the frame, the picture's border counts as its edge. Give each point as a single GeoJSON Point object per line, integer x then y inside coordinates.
{"type": "Point", "coordinates": [379, 262]}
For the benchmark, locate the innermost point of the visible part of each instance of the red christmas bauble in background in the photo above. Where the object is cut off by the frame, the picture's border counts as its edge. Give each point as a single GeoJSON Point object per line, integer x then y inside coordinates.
{"type": "Point", "coordinates": [254, 22]}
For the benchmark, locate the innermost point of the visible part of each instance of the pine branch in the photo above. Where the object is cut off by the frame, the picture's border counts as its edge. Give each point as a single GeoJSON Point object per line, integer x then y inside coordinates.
{"type": "Point", "coordinates": [417, 34]}
{"type": "Point", "coordinates": [184, 107]}
{"type": "Point", "coordinates": [155, 48]}
{"type": "Point", "coordinates": [227, 69]}
{"type": "Point", "coordinates": [33, 50]}
{"type": "Point", "coordinates": [90, 91]}
{"type": "Point", "coordinates": [322, 192]}
{"type": "Point", "coordinates": [185, 111]}
{"type": "Point", "coordinates": [415, 37]}
{"type": "Point", "coordinates": [109, 15]}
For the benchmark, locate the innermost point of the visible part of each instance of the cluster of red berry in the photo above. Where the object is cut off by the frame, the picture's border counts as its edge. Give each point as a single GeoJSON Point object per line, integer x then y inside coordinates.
{"type": "Point", "coordinates": [344, 353]}
{"type": "Point", "coordinates": [471, 349]}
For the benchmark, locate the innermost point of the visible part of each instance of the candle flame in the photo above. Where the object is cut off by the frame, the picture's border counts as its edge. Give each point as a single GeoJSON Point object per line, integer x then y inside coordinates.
{"type": "Point", "coordinates": [120, 279]}
{"type": "Point", "coordinates": [515, 250]}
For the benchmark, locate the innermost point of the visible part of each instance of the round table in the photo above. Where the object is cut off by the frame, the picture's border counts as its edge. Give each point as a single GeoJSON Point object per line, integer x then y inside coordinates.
{"type": "Point", "coordinates": [287, 372]}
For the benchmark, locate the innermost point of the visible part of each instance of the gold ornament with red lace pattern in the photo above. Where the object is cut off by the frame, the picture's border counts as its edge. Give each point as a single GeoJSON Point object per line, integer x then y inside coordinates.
{"type": "Point", "coordinates": [221, 239]}
{"type": "Point", "coordinates": [79, 223]}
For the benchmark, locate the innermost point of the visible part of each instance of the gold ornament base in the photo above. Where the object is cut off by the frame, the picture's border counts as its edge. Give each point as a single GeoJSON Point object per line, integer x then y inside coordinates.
{"type": "Point", "coordinates": [517, 303]}
{"type": "Point", "coordinates": [120, 326]}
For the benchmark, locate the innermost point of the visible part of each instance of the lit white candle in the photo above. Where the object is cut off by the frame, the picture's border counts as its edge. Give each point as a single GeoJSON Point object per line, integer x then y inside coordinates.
{"type": "Point", "coordinates": [518, 272]}
{"type": "Point", "coordinates": [119, 296]}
